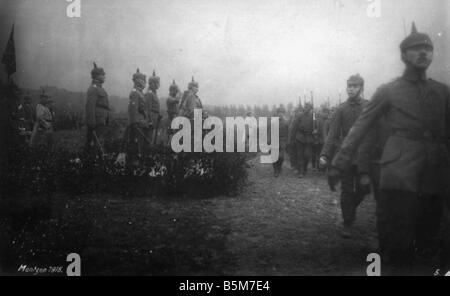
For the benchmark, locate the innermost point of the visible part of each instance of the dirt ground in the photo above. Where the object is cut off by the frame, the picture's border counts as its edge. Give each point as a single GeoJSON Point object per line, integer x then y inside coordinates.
{"type": "Point", "coordinates": [290, 226]}
{"type": "Point", "coordinates": [276, 226]}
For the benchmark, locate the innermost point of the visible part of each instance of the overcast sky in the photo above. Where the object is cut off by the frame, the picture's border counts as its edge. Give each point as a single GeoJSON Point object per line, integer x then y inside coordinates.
{"type": "Point", "coordinates": [249, 52]}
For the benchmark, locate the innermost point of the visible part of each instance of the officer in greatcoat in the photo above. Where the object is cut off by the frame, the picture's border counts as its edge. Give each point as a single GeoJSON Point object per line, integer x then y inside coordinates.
{"type": "Point", "coordinates": [415, 159]}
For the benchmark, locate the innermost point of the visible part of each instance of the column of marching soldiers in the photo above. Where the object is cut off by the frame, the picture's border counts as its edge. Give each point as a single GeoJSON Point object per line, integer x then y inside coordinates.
{"type": "Point", "coordinates": [395, 145]}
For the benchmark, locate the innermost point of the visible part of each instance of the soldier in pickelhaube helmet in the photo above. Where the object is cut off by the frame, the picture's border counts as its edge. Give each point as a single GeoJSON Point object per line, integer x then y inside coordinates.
{"type": "Point", "coordinates": [137, 133]}
{"type": "Point", "coordinates": [414, 159]}
{"type": "Point", "coordinates": [173, 100]}
{"type": "Point", "coordinates": [153, 106]}
{"type": "Point", "coordinates": [172, 104]}
{"type": "Point", "coordinates": [97, 111]}
{"type": "Point", "coordinates": [190, 100]}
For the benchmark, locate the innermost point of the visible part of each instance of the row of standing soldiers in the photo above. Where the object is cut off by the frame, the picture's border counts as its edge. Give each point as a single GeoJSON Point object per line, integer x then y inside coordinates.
{"type": "Point", "coordinates": [144, 114]}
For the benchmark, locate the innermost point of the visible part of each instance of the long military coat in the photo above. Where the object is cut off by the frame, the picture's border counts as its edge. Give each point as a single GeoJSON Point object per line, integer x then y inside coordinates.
{"type": "Point", "coordinates": [415, 157]}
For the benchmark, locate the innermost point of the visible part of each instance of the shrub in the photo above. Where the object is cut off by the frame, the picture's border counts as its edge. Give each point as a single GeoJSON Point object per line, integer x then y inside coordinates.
{"type": "Point", "coordinates": [161, 172]}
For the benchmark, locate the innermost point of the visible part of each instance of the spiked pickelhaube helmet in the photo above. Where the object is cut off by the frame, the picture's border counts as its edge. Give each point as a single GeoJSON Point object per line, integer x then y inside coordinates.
{"type": "Point", "coordinates": [139, 77]}
{"type": "Point", "coordinates": [154, 79]}
{"type": "Point", "coordinates": [97, 71]}
{"type": "Point", "coordinates": [414, 39]}
{"type": "Point", "coordinates": [193, 83]}
{"type": "Point", "coordinates": [174, 86]}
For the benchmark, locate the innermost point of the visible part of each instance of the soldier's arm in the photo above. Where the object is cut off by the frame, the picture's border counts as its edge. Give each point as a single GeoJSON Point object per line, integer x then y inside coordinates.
{"type": "Point", "coordinates": [133, 108]}
{"type": "Point", "coordinates": [364, 155]}
{"type": "Point", "coordinates": [333, 134]}
{"type": "Point", "coordinates": [189, 106]}
{"type": "Point", "coordinates": [370, 114]}
{"type": "Point", "coordinates": [91, 101]}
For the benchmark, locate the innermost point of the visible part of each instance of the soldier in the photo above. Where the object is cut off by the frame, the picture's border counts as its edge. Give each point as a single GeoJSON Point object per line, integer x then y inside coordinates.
{"type": "Point", "coordinates": [153, 107]}
{"type": "Point", "coordinates": [415, 158]}
{"type": "Point", "coordinates": [136, 135]}
{"type": "Point", "coordinates": [27, 113]}
{"type": "Point", "coordinates": [301, 139]}
{"type": "Point", "coordinates": [97, 112]}
{"type": "Point", "coordinates": [352, 193]}
{"type": "Point", "coordinates": [172, 105]}
{"type": "Point", "coordinates": [190, 100]}
{"type": "Point", "coordinates": [283, 137]}
{"type": "Point", "coordinates": [43, 127]}
{"type": "Point", "coordinates": [173, 100]}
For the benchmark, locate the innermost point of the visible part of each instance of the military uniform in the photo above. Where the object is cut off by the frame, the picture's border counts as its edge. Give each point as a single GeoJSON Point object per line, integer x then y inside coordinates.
{"type": "Point", "coordinates": [352, 193]}
{"type": "Point", "coordinates": [138, 124]}
{"type": "Point", "coordinates": [136, 139]}
{"type": "Point", "coordinates": [173, 101]}
{"type": "Point", "coordinates": [97, 112]}
{"type": "Point", "coordinates": [302, 140]}
{"type": "Point", "coordinates": [153, 107]}
{"type": "Point", "coordinates": [414, 161]}
{"type": "Point", "coordinates": [190, 102]}
{"type": "Point", "coordinates": [42, 133]}
{"type": "Point", "coordinates": [27, 114]}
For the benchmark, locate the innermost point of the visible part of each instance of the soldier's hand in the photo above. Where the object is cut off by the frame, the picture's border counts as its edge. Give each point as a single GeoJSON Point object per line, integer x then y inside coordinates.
{"type": "Point", "coordinates": [323, 162]}
{"type": "Point", "coordinates": [333, 178]}
{"type": "Point", "coordinates": [364, 180]}
{"type": "Point", "coordinates": [121, 159]}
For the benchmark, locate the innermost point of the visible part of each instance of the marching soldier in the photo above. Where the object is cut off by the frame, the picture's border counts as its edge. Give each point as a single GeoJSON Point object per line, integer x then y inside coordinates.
{"type": "Point", "coordinates": [97, 112]}
{"type": "Point", "coordinates": [283, 137]}
{"type": "Point", "coordinates": [302, 140]}
{"type": "Point", "coordinates": [352, 191]}
{"type": "Point", "coordinates": [153, 107]}
{"type": "Point", "coordinates": [414, 161]}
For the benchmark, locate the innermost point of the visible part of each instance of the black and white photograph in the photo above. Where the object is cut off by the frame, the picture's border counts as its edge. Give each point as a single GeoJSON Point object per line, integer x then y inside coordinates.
{"type": "Point", "coordinates": [224, 138]}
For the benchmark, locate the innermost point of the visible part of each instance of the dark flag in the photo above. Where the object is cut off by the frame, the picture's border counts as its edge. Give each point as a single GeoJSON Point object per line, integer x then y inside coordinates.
{"type": "Point", "coordinates": [9, 56]}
